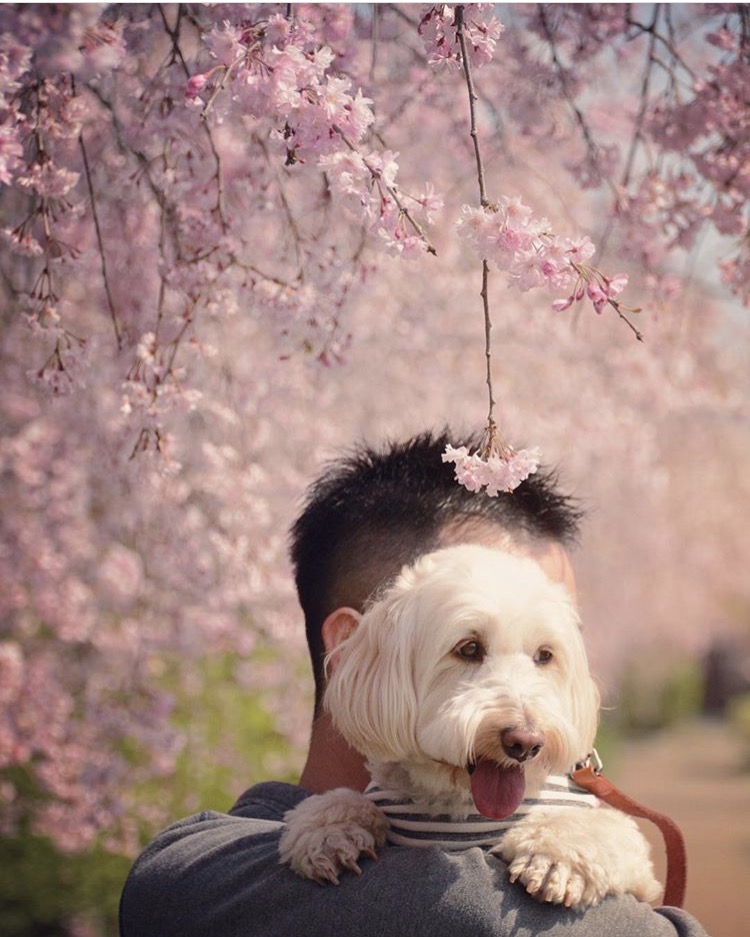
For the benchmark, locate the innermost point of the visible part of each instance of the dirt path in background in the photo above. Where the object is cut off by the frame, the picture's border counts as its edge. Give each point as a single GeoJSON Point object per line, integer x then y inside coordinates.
{"type": "Point", "coordinates": [698, 775]}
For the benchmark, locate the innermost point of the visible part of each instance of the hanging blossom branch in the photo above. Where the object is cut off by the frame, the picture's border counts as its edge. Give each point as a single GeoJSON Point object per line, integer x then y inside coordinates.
{"type": "Point", "coordinates": [495, 466]}
{"type": "Point", "coordinates": [318, 117]}
{"type": "Point", "coordinates": [506, 232]}
{"type": "Point", "coordinates": [49, 185]}
{"type": "Point", "coordinates": [177, 57]}
{"type": "Point", "coordinates": [522, 246]}
{"type": "Point", "coordinates": [380, 180]}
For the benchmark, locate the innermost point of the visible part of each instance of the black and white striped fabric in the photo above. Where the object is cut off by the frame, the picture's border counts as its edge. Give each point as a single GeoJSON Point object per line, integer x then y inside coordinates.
{"type": "Point", "coordinates": [413, 825]}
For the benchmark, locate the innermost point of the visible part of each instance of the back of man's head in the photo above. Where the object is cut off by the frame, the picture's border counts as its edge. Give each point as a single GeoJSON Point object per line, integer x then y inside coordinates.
{"type": "Point", "coordinates": [374, 511]}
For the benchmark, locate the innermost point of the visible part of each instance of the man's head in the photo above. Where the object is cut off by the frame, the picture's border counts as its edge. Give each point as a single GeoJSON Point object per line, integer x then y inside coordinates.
{"type": "Point", "coordinates": [374, 511]}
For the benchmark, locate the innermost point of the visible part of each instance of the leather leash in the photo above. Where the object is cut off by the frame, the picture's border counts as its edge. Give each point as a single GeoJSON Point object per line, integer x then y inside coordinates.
{"type": "Point", "coordinates": [589, 776]}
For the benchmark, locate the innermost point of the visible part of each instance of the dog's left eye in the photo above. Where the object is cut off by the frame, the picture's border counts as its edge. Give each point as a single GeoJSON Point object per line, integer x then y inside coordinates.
{"type": "Point", "coordinates": [471, 650]}
{"type": "Point", "coordinates": [543, 656]}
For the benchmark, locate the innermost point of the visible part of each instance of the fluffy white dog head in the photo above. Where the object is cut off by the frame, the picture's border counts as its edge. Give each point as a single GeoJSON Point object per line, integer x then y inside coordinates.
{"type": "Point", "coordinates": [467, 680]}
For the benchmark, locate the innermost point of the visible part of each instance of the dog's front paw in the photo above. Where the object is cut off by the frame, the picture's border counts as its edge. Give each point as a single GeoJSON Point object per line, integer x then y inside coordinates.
{"type": "Point", "coordinates": [327, 833]}
{"type": "Point", "coordinates": [576, 857]}
{"type": "Point", "coordinates": [553, 879]}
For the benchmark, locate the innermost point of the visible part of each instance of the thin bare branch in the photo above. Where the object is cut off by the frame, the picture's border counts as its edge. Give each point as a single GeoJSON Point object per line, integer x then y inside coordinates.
{"type": "Point", "coordinates": [472, 104]}
{"type": "Point", "coordinates": [588, 138]}
{"type": "Point", "coordinates": [640, 117]}
{"type": "Point", "coordinates": [100, 243]}
{"type": "Point", "coordinates": [492, 431]}
{"type": "Point", "coordinates": [616, 306]}
{"type": "Point", "coordinates": [488, 342]}
{"type": "Point", "coordinates": [374, 40]}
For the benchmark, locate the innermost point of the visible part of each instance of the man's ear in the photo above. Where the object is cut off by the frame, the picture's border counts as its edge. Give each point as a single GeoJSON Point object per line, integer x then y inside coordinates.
{"type": "Point", "coordinates": [336, 629]}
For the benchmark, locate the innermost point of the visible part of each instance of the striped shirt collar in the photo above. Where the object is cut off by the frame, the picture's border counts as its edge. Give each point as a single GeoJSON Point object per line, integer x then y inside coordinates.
{"type": "Point", "coordinates": [413, 825]}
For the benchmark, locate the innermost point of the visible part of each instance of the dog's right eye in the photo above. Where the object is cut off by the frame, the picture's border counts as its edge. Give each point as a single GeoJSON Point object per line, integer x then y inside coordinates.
{"type": "Point", "coordinates": [470, 650]}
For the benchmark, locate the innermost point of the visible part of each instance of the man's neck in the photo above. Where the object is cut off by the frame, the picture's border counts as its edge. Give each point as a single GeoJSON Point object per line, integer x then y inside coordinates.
{"type": "Point", "coordinates": [331, 762]}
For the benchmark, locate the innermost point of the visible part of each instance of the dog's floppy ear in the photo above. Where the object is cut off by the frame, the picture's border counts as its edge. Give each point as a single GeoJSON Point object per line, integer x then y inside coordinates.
{"type": "Point", "coordinates": [585, 697]}
{"type": "Point", "coordinates": [370, 693]}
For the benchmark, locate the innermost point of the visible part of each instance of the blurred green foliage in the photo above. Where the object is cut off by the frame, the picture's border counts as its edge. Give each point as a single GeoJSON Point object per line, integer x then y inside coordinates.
{"type": "Point", "coordinates": [230, 743]}
{"type": "Point", "coordinates": [657, 693]}
{"type": "Point", "coordinates": [43, 891]}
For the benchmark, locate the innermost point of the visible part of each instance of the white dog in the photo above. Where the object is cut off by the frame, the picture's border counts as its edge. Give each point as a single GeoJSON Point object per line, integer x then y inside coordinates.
{"type": "Point", "coordinates": [466, 686]}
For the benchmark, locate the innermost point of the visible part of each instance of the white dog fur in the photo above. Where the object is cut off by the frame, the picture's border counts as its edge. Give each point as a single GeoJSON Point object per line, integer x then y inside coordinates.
{"type": "Point", "coordinates": [468, 645]}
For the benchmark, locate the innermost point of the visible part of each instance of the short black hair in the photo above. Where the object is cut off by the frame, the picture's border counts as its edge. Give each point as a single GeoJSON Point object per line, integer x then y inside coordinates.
{"type": "Point", "coordinates": [375, 510]}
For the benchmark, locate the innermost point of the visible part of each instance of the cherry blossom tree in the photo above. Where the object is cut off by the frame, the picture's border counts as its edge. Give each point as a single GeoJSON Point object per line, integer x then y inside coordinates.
{"type": "Point", "coordinates": [238, 237]}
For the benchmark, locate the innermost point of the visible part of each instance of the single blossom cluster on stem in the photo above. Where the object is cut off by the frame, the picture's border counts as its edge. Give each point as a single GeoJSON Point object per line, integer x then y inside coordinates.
{"type": "Point", "coordinates": [525, 248]}
{"type": "Point", "coordinates": [494, 466]}
{"type": "Point", "coordinates": [591, 283]}
{"type": "Point", "coordinates": [439, 31]}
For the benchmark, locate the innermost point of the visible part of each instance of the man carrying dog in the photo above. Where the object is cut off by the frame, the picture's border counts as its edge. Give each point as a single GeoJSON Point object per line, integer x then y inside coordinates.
{"type": "Point", "coordinates": [220, 874]}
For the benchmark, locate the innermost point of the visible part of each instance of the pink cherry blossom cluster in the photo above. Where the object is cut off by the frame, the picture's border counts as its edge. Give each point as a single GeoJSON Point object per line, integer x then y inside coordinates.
{"type": "Point", "coordinates": [482, 29]}
{"type": "Point", "coordinates": [524, 247]}
{"type": "Point", "coordinates": [14, 62]}
{"type": "Point", "coordinates": [273, 69]}
{"type": "Point", "coordinates": [277, 71]}
{"type": "Point", "coordinates": [493, 471]}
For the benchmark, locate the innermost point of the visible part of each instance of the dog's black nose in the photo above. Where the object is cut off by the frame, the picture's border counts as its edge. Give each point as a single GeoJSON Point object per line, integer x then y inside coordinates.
{"type": "Point", "coordinates": [520, 744]}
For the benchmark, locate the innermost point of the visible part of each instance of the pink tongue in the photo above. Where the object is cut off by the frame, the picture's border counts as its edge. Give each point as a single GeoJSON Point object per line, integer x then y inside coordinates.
{"type": "Point", "coordinates": [497, 791]}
